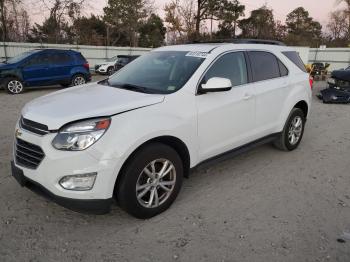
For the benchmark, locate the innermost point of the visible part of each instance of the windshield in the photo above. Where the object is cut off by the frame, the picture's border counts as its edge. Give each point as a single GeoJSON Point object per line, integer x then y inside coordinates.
{"type": "Point", "coordinates": [123, 60]}
{"type": "Point", "coordinates": [114, 58]}
{"type": "Point", "coordinates": [20, 57]}
{"type": "Point", "coordinates": [157, 72]}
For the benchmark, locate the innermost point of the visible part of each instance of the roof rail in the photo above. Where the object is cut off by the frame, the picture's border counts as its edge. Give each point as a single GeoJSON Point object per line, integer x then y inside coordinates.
{"type": "Point", "coordinates": [241, 41]}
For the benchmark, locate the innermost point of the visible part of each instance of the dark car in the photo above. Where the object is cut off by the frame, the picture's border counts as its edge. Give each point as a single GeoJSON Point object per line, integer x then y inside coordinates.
{"type": "Point", "coordinates": [44, 67]}
{"type": "Point", "coordinates": [123, 60]}
{"type": "Point", "coordinates": [339, 88]}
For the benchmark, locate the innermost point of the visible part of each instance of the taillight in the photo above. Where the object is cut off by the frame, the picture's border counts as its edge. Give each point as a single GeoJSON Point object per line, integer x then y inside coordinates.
{"type": "Point", "coordinates": [311, 80]}
{"type": "Point", "coordinates": [87, 66]}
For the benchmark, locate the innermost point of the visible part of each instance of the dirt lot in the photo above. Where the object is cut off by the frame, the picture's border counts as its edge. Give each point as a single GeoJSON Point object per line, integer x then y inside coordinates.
{"type": "Point", "coordinates": [264, 205]}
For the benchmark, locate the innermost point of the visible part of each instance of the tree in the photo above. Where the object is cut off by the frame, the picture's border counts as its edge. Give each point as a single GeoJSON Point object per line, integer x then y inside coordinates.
{"type": "Point", "coordinates": [180, 19]}
{"type": "Point", "coordinates": [302, 29]}
{"type": "Point", "coordinates": [205, 9]}
{"type": "Point", "coordinates": [338, 24]}
{"type": "Point", "coordinates": [90, 30]}
{"type": "Point", "coordinates": [347, 12]}
{"type": "Point", "coordinates": [260, 24]}
{"type": "Point", "coordinates": [14, 21]}
{"type": "Point", "coordinates": [152, 32]}
{"type": "Point", "coordinates": [174, 21]}
{"type": "Point", "coordinates": [229, 13]}
{"type": "Point", "coordinates": [57, 27]}
{"type": "Point", "coordinates": [125, 17]}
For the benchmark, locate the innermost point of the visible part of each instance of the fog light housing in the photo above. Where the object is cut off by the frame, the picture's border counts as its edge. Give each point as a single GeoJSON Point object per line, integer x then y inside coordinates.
{"type": "Point", "coordinates": [83, 182]}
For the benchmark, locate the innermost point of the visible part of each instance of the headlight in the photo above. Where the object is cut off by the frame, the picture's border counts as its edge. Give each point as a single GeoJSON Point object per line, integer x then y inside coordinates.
{"type": "Point", "coordinates": [331, 81]}
{"type": "Point", "coordinates": [81, 135]}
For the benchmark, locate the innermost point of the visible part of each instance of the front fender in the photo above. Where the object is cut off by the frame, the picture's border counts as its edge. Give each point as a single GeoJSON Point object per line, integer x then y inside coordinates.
{"type": "Point", "coordinates": [130, 130]}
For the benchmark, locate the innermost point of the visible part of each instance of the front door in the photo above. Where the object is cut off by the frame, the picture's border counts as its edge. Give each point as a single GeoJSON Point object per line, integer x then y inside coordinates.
{"type": "Point", "coordinates": [36, 70]}
{"type": "Point", "coordinates": [226, 119]}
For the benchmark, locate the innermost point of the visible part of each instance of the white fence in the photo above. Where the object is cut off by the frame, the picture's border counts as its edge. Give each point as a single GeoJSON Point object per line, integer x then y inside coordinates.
{"type": "Point", "coordinates": [93, 54]}
{"type": "Point", "coordinates": [337, 57]}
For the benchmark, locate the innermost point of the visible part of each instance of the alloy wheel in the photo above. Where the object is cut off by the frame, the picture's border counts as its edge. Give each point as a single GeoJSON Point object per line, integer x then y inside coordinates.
{"type": "Point", "coordinates": [15, 86]}
{"type": "Point", "coordinates": [79, 80]}
{"type": "Point", "coordinates": [156, 183]}
{"type": "Point", "coordinates": [295, 130]}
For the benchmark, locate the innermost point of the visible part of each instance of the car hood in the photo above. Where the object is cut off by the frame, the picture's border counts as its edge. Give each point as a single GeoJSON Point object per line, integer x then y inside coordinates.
{"type": "Point", "coordinates": [106, 63]}
{"type": "Point", "coordinates": [4, 66]}
{"type": "Point", "coordinates": [341, 75]}
{"type": "Point", "coordinates": [87, 101]}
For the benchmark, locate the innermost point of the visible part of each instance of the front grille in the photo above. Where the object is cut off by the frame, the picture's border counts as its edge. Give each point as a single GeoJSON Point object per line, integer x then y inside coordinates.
{"type": "Point", "coordinates": [27, 154]}
{"type": "Point", "coordinates": [33, 127]}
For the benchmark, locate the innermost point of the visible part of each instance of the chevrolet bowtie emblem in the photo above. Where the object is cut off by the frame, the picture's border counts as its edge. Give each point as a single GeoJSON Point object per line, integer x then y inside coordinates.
{"type": "Point", "coordinates": [18, 133]}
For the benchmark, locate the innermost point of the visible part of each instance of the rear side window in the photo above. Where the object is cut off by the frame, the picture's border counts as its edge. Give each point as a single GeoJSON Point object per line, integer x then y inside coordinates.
{"type": "Point", "coordinates": [295, 58]}
{"type": "Point", "coordinates": [61, 58]}
{"type": "Point", "coordinates": [231, 66]}
{"type": "Point", "coordinates": [40, 59]}
{"type": "Point", "coordinates": [80, 58]}
{"type": "Point", "coordinates": [264, 65]}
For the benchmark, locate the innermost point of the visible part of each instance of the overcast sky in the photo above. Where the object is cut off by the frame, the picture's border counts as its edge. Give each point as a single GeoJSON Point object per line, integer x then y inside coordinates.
{"type": "Point", "coordinates": [319, 9]}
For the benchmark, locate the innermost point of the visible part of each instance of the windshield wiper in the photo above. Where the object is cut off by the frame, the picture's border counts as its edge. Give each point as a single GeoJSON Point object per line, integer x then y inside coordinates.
{"type": "Point", "coordinates": [135, 88]}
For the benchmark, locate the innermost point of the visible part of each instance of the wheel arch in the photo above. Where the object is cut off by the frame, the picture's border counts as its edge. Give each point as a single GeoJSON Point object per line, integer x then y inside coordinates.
{"type": "Point", "coordinates": [177, 144]}
{"type": "Point", "coordinates": [303, 106]}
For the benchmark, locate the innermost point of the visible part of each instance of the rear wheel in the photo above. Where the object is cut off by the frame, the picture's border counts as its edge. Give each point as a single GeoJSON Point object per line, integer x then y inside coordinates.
{"type": "Point", "coordinates": [78, 80]}
{"type": "Point", "coordinates": [151, 181]}
{"type": "Point", "coordinates": [293, 131]}
{"type": "Point", "coordinates": [14, 86]}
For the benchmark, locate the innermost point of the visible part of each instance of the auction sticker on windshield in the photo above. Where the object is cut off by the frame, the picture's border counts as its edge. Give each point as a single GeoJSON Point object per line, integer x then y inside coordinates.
{"type": "Point", "coordinates": [197, 54]}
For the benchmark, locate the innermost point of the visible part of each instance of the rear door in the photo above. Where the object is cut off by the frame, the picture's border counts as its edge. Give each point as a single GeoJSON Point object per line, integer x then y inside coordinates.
{"type": "Point", "coordinates": [270, 81]}
{"type": "Point", "coordinates": [61, 64]}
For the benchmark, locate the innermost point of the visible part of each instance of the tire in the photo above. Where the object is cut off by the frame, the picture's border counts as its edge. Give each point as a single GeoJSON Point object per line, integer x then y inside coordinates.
{"type": "Point", "coordinates": [13, 86]}
{"type": "Point", "coordinates": [285, 140]}
{"type": "Point", "coordinates": [78, 79]}
{"type": "Point", "coordinates": [139, 202]}
{"type": "Point", "coordinates": [110, 70]}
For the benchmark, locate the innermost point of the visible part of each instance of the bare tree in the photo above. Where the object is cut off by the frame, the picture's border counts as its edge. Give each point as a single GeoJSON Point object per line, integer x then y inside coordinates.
{"type": "Point", "coordinates": [338, 24]}
{"type": "Point", "coordinates": [14, 20]}
{"type": "Point", "coordinates": [347, 11]}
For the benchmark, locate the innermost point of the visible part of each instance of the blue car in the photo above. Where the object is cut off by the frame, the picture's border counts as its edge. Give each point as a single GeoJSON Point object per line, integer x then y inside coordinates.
{"type": "Point", "coordinates": [43, 67]}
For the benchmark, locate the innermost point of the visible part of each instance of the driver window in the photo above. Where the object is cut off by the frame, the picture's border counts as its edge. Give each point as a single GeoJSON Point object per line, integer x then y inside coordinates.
{"type": "Point", "coordinates": [231, 66]}
{"type": "Point", "coordinates": [41, 59]}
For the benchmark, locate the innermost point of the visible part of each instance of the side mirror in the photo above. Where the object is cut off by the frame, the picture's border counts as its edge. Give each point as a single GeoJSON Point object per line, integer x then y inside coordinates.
{"type": "Point", "coordinates": [216, 84]}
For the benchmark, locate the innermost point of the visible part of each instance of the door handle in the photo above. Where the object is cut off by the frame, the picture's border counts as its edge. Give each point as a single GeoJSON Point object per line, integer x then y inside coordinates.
{"type": "Point", "coordinates": [247, 96]}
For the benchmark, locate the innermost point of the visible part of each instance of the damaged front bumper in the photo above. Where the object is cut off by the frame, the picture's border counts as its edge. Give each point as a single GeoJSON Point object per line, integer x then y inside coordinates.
{"type": "Point", "coordinates": [338, 92]}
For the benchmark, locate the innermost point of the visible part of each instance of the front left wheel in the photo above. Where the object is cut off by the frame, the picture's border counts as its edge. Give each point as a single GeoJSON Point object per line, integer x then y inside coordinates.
{"type": "Point", "coordinates": [151, 181]}
{"type": "Point", "coordinates": [14, 86]}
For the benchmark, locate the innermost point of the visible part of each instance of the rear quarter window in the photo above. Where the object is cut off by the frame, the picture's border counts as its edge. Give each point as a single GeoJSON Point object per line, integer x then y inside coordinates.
{"type": "Point", "coordinates": [80, 58]}
{"type": "Point", "coordinates": [295, 58]}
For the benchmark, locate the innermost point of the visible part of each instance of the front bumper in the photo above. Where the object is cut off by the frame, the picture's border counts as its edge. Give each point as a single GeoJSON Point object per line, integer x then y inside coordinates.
{"type": "Point", "coordinates": [89, 206]}
{"type": "Point", "coordinates": [57, 164]}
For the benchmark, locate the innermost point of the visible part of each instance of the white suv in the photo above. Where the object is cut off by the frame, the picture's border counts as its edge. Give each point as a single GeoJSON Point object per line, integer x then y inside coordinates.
{"type": "Point", "coordinates": [107, 67]}
{"type": "Point", "coordinates": [134, 136]}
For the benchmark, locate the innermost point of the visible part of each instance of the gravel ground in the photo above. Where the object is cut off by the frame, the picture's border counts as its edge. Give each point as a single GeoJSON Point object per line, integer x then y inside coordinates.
{"type": "Point", "coordinates": [264, 205]}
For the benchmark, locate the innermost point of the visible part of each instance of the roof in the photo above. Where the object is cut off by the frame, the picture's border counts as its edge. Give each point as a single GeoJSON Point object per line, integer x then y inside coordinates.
{"type": "Point", "coordinates": [208, 47]}
{"type": "Point", "coordinates": [54, 50]}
